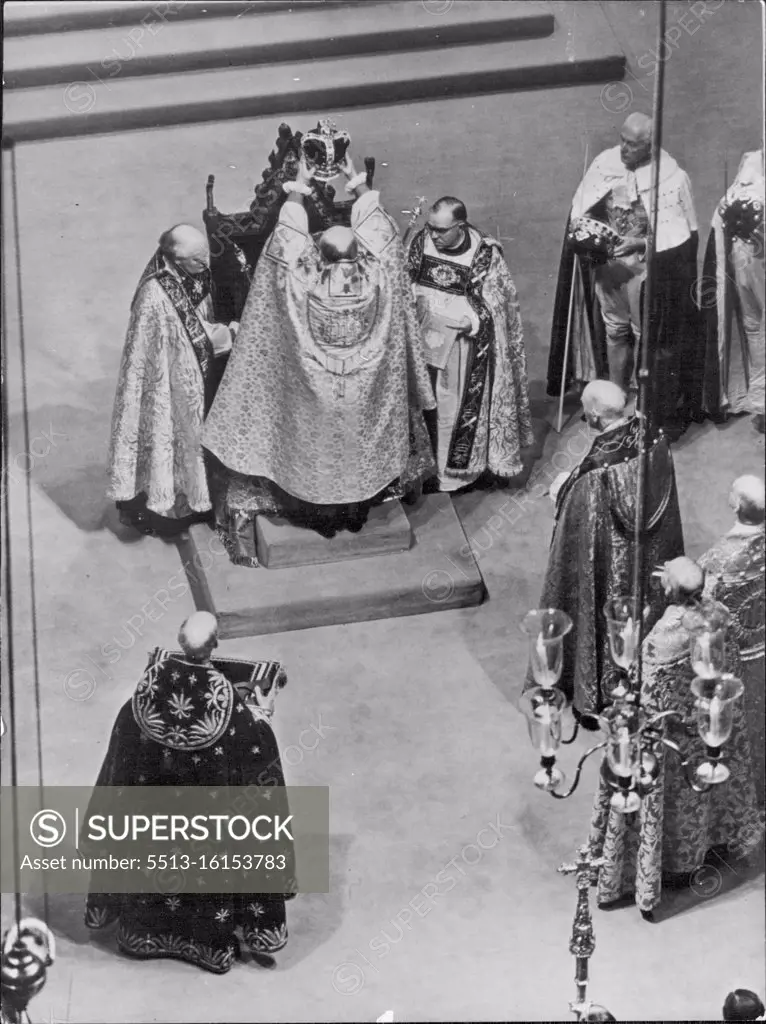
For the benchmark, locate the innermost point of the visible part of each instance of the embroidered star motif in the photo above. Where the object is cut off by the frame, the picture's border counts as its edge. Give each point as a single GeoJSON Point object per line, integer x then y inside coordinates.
{"type": "Point", "coordinates": [196, 759]}
{"type": "Point", "coordinates": [222, 915]}
{"type": "Point", "coordinates": [172, 903]}
{"type": "Point", "coordinates": [167, 754]}
{"type": "Point", "coordinates": [219, 751]}
{"type": "Point", "coordinates": [232, 731]}
{"type": "Point", "coordinates": [255, 750]}
{"type": "Point", "coordinates": [256, 909]}
{"type": "Point", "coordinates": [180, 705]}
{"type": "Point", "coordinates": [175, 676]}
{"type": "Point", "coordinates": [192, 679]}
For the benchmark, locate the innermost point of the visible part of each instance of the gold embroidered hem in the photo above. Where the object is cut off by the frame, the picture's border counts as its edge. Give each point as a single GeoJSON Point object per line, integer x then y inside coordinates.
{"type": "Point", "coordinates": [239, 499]}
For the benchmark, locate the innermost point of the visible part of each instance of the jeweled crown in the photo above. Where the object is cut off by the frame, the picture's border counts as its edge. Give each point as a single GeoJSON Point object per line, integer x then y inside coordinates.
{"type": "Point", "coordinates": [325, 149]}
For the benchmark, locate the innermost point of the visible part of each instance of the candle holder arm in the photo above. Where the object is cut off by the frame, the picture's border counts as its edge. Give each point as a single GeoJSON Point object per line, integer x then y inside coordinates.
{"type": "Point", "coordinates": [573, 737]}
{"type": "Point", "coordinates": [691, 782]}
{"type": "Point", "coordinates": [578, 772]}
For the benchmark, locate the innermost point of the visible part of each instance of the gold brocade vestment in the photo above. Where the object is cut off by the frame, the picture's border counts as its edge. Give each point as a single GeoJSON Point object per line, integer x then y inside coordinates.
{"type": "Point", "coordinates": [165, 384]}
{"type": "Point", "coordinates": [675, 827]}
{"type": "Point", "coordinates": [322, 399]}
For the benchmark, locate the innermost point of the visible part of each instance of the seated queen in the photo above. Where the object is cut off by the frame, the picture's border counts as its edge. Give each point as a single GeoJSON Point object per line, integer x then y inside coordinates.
{"type": "Point", "coordinates": [319, 415]}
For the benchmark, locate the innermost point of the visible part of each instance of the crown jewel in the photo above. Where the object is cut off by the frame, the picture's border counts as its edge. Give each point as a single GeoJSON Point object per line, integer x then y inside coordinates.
{"type": "Point", "coordinates": [325, 149]}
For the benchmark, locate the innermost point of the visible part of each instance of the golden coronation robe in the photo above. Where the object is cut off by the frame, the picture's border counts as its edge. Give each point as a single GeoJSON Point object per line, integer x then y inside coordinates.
{"type": "Point", "coordinates": [166, 383]}
{"type": "Point", "coordinates": [321, 405]}
{"type": "Point", "coordinates": [735, 576]}
{"type": "Point", "coordinates": [675, 827]}
{"type": "Point", "coordinates": [482, 391]}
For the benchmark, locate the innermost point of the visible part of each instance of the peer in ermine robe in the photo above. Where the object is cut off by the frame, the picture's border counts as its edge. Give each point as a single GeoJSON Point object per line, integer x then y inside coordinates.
{"type": "Point", "coordinates": [187, 726]}
{"type": "Point", "coordinates": [732, 298]}
{"type": "Point", "coordinates": [735, 568]}
{"type": "Point", "coordinates": [166, 383]}
{"type": "Point", "coordinates": [319, 414]}
{"type": "Point", "coordinates": [675, 827]}
{"type": "Point", "coordinates": [593, 547]}
{"type": "Point", "coordinates": [475, 348]}
{"type": "Point", "coordinates": [606, 317]}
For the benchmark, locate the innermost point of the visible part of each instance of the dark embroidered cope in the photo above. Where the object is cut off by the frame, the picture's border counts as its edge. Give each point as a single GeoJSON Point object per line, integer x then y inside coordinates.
{"type": "Point", "coordinates": [469, 281]}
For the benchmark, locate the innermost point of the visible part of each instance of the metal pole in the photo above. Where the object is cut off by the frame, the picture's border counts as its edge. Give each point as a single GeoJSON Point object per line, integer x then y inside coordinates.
{"type": "Point", "coordinates": [575, 283]}
{"type": "Point", "coordinates": [639, 582]}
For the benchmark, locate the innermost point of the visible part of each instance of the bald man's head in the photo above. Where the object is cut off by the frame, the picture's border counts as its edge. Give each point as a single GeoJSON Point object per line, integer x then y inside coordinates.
{"type": "Point", "coordinates": [198, 635]}
{"type": "Point", "coordinates": [187, 247]}
{"type": "Point", "coordinates": [636, 140]}
{"type": "Point", "coordinates": [682, 580]}
{"type": "Point", "coordinates": [338, 243]}
{"type": "Point", "coordinates": [747, 500]}
{"type": "Point", "coordinates": [603, 403]}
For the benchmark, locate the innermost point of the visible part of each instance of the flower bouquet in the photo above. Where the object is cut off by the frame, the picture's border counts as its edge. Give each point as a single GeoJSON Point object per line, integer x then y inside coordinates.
{"type": "Point", "coordinates": [742, 216]}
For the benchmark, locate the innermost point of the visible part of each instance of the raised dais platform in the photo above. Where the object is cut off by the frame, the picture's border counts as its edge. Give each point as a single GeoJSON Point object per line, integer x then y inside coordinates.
{"type": "Point", "coordinates": [436, 574]}
{"type": "Point", "coordinates": [281, 545]}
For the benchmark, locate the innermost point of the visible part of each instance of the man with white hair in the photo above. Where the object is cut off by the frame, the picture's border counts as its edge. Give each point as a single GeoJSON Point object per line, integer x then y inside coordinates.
{"type": "Point", "coordinates": [735, 567]}
{"type": "Point", "coordinates": [675, 828]}
{"type": "Point", "coordinates": [166, 384]}
{"type": "Point", "coordinates": [593, 543]}
{"type": "Point", "coordinates": [193, 722]}
{"type": "Point", "coordinates": [319, 415]}
{"type": "Point", "coordinates": [603, 321]}
{"type": "Point", "coordinates": [198, 636]}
